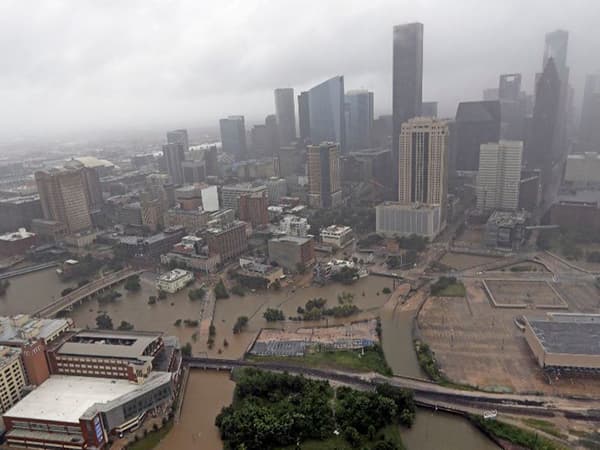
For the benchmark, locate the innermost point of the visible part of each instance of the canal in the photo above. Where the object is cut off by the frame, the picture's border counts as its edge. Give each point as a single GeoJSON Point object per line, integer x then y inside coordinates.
{"type": "Point", "coordinates": [208, 392]}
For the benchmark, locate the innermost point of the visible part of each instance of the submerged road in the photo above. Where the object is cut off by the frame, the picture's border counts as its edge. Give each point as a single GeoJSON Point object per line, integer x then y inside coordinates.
{"type": "Point", "coordinates": [426, 392]}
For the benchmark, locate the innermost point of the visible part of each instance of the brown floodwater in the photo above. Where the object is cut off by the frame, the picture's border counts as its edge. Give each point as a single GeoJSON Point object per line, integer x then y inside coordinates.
{"type": "Point", "coordinates": [208, 392]}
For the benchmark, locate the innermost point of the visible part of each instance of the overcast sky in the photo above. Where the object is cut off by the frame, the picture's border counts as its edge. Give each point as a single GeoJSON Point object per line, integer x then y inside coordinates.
{"type": "Point", "coordinates": [84, 65]}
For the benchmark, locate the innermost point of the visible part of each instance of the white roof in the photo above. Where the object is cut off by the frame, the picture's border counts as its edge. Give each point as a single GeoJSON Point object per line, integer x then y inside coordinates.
{"type": "Point", "coordinates": [64, 398]}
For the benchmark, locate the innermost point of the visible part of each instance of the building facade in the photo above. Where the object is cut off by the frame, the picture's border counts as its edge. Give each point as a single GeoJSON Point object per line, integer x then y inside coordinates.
{"type": "Point", "coordinates": [326, 117]}
{"type": "Point", "coordinates": [253, 209]}
{"type": "Point", "coordinates": [228, 242]}
{"type": "Point", "coordinates": [395, 219]}
{"type": "Point", "coordinates": [174, 280]}
{"type": "Point", "coordinates": [303, 116]}
{"type": "Point", "coordinates": [292, 252]}
{"type": "Point", "coordinates": [324, 187]}
{"type": "Point", "coordinates": [589, 131]}
{"type": "Point", "coordinates": [499, 176]}
{"type": "Point", "coordinates": [286, 115]}
{"type": "Point", "coordinates": [337, 235]}
{"type": "Point", "coordinates": [359, 119]}
{"type": "Point", "coordinates": [174, 155]}
{"type": "Point", "coordinates": [230, 195]}
{"type": "Point", "coordinates": [233, 136]}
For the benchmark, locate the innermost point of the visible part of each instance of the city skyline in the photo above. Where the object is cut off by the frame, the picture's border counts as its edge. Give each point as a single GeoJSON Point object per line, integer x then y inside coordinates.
{"type": "Point", "coordinates": [116, 95]}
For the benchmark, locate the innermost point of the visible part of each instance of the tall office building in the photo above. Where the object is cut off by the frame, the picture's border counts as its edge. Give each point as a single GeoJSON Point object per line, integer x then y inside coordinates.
{"type": "Point", "coordinates": [589, 131]}
{"type": "Point", "coordinates": [509, 87]}
{"type": "Point", "coordinates": [407, 83]}
{"type": "Point", "coordinates": [423, 166]}
{"type": "Point", "coordinates": [324, 187]}
{"type": "Point", "coordinates": [272, 135]}
{"type": "Point", "coordinates": [429, 109]}
{"type": "Point", "coordinates": [64, 199]}
{"type": "Point", "coordinates": [303, 116]}
{"type": "Point", "coordinates": [556, 48]}
{"type": "Point", "coordinates": [286, 115]}
{"type": "Point", "coordinates": [499, 175]}
{"type": "Point", "coordinates": [233, 136]}
{"type": "Point", "coordinates": [179, 137]}
{"type": "Point", "coordinates": [359, 119]}
{"type": "Point", "coordinates": [539, 152]}
{"type": "Point", "coordinates": [476, 123]}
{"type": "Point", "coordinates": [326, 117]}
{"type": "Point", "coordinates": [174, 154]}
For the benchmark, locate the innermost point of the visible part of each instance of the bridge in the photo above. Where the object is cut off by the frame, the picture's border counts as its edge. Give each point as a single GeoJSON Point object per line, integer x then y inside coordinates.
{"type": "Point", "coordinates": [87, 290]}
{"type": "Point", "coordinates": [427, 393]}
{"type": "Point", "coordinates": [26, 270]}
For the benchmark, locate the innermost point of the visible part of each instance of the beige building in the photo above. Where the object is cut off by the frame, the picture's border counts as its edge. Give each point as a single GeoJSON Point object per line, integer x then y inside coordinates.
{"type": "Point", "coordinates": [583, 168]}
{"type": "Point", "coordinates": [499, 175]}
{"type": "Point", "coordinates": [12, 377]}
{"type": "Point", "coordinates": [174, 281]}
{"type": "Point", "coordinates": [64, 198]}
{"type": "Point", "coordinates": [324, 187]}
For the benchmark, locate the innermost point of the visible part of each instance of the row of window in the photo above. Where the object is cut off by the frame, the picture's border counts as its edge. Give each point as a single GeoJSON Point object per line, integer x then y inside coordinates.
{"type": "Point", "coordinates": [91, 366]}
{"type": "Point", "coordinates": [38, 426]}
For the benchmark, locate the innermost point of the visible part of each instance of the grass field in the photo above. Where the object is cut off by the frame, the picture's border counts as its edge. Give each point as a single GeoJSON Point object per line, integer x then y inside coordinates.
{"type": "Point", "coordinates": [545, 426]}
{"type": "Point", "coordinates": [389, 433]}
{"type": "Point", "coordinates": [373, 360]}
{"type": "Point", "coordinates": [516, 435]}
{"type": "Point", "coordinates": [151, 440]}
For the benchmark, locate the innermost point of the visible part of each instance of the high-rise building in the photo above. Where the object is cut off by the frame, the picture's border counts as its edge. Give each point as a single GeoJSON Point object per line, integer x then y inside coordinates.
{"type": "Point", "coordinates": [233, 136]}
{"type": "Point", "coordinates": [490, 94]}
{"type": "Point", "coordinates": [64, 199]}
{"type": "Point", "coordinates": [286, 115]}
{"type": "Point", "coordinates": [539, 152]}
{"type": "Point", "coordinates": [359, 123]}
{"type": "Point", "coordinates": [324, 187]}
{"type": "Point", "coordinates": [179, 137]}
{"type": "Point", "coordinates": [253, 208]}
{"type": "Point", "coordinates": [423, 168]}
{"type": "Point", "coordinates": [589, 131]}
{"type": "Point", "coordinates": [509, 87]}
{"type": "Point", "coordinates": [174, 155]}
{"type": "Point", "coordinates": [272, 135]}
{"type": "Point", "coordinates": [499, 175]}
{"type": "Point", "coordinates": [303, 116]}
{"type": "Point", "coordinates": [407, 83]}
{"type": "Point", "coordinates": [476, 123]}
{"type": "Point", "coordinates": [429, 109]}
{"type": "Point", "coordinates": [556, 48]}
{"type": "Point", "coordinates": [326, 106]}
{"type": "Point", "coordinates": [194, 171]}
{"type": "Point", "coordinates": [228, 242]}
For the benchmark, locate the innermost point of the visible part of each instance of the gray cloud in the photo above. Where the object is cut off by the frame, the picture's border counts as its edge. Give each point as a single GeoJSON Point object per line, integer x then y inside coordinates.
{"type": "Point", "coordinates": [85, 64]}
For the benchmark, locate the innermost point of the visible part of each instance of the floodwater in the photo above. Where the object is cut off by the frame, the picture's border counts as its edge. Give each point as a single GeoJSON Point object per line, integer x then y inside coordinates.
{"type": "Point", "coordinates": [208, 392]}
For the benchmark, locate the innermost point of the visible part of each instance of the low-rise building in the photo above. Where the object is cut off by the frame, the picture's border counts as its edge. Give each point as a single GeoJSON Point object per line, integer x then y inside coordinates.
{"type": "Point", "coordinates": [505, 230]}
{"type": "Point", "coordinates": [16, 243]}
{"type": "Point", "coordinates": [294, 226]}
{"type": "Point", "coordinates": [292, 252]}
{"type": "Point", "coordinates": [277, 188]}
{"type": "Point", "coordinates": [151, 246]}
{"type": "Point", "coordinates": [397, 219]}
{"type": "Point", "coordinates": [82, 239]}
{"type": "Point", "coordinates": [337, 235]}
{"type": "Point", "coordinates": [49, 230]}
{"type": "Point", "coordinates": [174, 280]}
{"type": "Point", "coordinates": [231, 194]}
{"type": "Point", "coordinates": [252, 268]}
{"type": "Point", "coordinates": [192, 220]}
{"type": "Point", "coordinates": [577, 211]}
{"type": "Point", "coordinates": [583, 169]}
{"type": "Point", "coordinates": [12, 377]}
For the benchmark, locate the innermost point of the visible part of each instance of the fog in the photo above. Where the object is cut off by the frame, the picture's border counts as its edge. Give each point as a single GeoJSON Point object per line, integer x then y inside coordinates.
{"type": "Point", "coordinates": [71, 66]}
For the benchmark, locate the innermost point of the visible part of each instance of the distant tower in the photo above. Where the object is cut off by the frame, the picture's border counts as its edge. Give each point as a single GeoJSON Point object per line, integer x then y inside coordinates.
{"type": "Point", "coordinates": [324, 187]}
{"type": "Point", "coordinates": [429, 109]}
{"type": "Point", "coordinates": [589, 131]}
{"type": "Point", "coordinates": [179, 137]}
{"type": "Point", "coordinates": [304, 116]}
{"type": "Point", "coordinates": [326, 106]}
{"type": "Point", "coordinates": [359, 124]}
{"type": "Point", "coordinates": [174, 155]}
{"type": "Point", "coordinates": [509, 86]}
{"type": "Point", "coordinates": [499, 175]}
{"type": "Point", "coordinates": [556, 48]}
{"type": "Point", "coordinates": [272, 134]}
{"type": "Point", "coordinates": [407, 83]}
{"type": "Point", "coordinates": [286, 116]}
{"type": "Point", "coordinates": [233, 136]}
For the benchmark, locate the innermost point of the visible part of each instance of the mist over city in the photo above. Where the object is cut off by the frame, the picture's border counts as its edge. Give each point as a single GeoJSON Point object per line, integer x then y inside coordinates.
{"type": "Point", "coordinates": [300, 225]}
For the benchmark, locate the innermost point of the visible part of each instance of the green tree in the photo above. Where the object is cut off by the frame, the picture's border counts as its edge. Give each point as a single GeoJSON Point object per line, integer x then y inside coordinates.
{"type": "Point", "coordinates": [221, 290]}
{"type": "Point", "coordinates": [132, 283]}
{"type": "Point", "coordinates": [273, 315]}
{"type": "Point", "coordinates": [162, 295]}
{"type": "Point", "coordinates": [196, 294]}
{"type": "Point", "coordinates": [125, 326]}
{"type": "Point", "coordinates": [352, 437]}
{"type": "Point", "coordinates": [104, 322]}
{"type": "Point", "coordinates": [240, 324]}
{"type": "Point", "coordinates": [186, 350]}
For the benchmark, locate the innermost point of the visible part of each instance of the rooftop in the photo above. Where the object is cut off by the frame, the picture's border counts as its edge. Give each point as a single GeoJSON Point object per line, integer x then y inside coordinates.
{"type": "Point", "coordinates": [22, 327]}
{"type": "Point", "coordinates": [109, 344]}
{"type": "Point", "coordinates": [577, 334]}
{"type": "Point", "coordinates": [19, 235]}
{"type": "Point", "coordinates": [64, 398]}
{"type": "Point", "coordinates": [174, 275]}
{"type": "Point", "coordinates": [293, 239]}
{"type": "Point", "coordinates": [8, 354]}
{"type": "Point", "coordinates": [336, 229]}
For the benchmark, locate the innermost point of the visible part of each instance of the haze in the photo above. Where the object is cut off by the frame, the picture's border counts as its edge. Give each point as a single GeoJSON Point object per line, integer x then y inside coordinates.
{"type": "Point", "coordinates": [88, 65]}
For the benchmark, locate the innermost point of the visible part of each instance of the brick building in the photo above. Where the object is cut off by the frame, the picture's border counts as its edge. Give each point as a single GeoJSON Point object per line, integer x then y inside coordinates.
{"type": "Point", "coordinates": [228, 242]}
{"type": "Point", "coordinates": [253, 208]}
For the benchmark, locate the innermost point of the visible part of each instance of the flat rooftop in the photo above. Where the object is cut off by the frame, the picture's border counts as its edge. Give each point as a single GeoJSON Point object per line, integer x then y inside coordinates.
{"type": "Point", "coordinates": [576, 334]}
{"type": "Point", "coordinates": [109, 344]}
{"type": "Point", "coordinates": [64, 398]}
{"type": "Point", "coordinates": [22, 327]}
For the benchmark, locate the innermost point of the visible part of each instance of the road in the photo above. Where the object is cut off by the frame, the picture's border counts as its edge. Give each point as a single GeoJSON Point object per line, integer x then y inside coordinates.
{"type": "Point", "coordinates": [26, 270]}
{"type": "Point", "coordinates": [428, 393]}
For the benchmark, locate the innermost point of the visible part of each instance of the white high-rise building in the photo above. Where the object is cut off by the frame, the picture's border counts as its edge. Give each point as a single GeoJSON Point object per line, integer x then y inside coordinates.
{"type": "Point", "coordinates": [499, 175]}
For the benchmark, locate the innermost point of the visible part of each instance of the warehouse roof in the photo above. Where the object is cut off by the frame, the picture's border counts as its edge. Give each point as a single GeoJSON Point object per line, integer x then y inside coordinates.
{"type": "Point", "coordinates": [577, 334]}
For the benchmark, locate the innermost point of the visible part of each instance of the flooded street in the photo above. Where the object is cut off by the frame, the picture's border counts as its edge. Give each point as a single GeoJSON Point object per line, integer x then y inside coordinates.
{"type": "Point", "coordinates": [208, 392]}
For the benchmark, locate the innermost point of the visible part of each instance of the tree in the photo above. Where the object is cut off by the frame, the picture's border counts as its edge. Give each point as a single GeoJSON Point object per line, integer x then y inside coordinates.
{"type": "Point", "coordinates": [4, 284]}
{"type": "Point", "coordinates": [273, 315]}
{"type": "Point", "coordinates": [196, 294]}
{"type": "Point", "coordinates": [346, 275]}
{"type": "Point", "coordinates": [152, 300]}
{"type": "Point", "coordinates": [186, 350]}
{"type": "Point", "coordinates": [352, 437]}
{"type": "Point", "coordinates": [177, 323]}
{"type": "Point", "coordinates": [238, 290]}
{"type": "Point", "coordinates": [125, 326]}
{"type": "Point", "coordinates": [132, 284]}
{"type": "Point", "coordinates": [386, 290]}
{"type": "Point", "coordinates": [240, 324]}
{"type": "Point", "coordinates": [104, 322]}
{"type": "Point", "coordinates": [162, 295]}
{"type": "Point", "coordinates": [220, 290]}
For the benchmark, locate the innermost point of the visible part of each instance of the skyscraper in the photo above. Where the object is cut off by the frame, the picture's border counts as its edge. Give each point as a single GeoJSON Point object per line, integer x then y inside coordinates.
{"type": "Point", "coordinates": [272, 134]}
{"type": "Point", "coordinates": [499, 175]}
{"type": "Point", "coordinates": [429, 109]}
{"type": "Point", "coordinates": [556, 48]}
{"type": "Point", "coordinates": [63, 198]}
{"type": "Point", "coordinates": [589, 131]}
{"type": "Point", "coordinates": [509, 86]}
{"type": "Point", "coordinates": [179, 137]}
{"type": "Point", "coordinates": [476, 123]}
{"type": "Point", "coordinates": [407, 83]}
{"type": "Point", "coordinates": [324, 187]}
{"type": "Point", "coordinates": [303, 116]}
{"type": "Point", "coordinates": [359, 124]}
{"type": "Point", "coordinates": [423, 165]}
{"type": "Point", "coordinates": [233, 136]}
{"type": "Point", "coordinates": [540, 146]}
{"type": "Point", "coordinates": [326, 106]}
{"type": "Point", "coordinates": [174, 155]}
{"type": "Point", "coordinates": [286, 116]}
